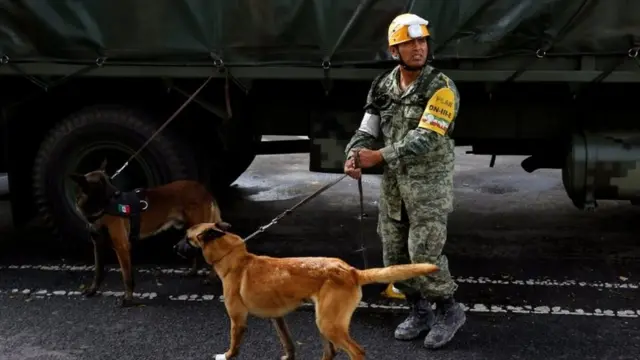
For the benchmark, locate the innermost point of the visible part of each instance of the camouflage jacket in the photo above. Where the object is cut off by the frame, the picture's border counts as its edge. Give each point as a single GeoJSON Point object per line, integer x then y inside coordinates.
{"type": "Point", "coordinates": [418, 152]}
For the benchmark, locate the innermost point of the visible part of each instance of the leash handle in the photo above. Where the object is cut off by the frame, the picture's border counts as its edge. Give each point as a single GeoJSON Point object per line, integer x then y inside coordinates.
{"type": "Point", "coordinates": [363, 249]}
{"type": "Point", "coordinates": [356, 161]}
{"type": "Point", "coordinates": [356, 158]}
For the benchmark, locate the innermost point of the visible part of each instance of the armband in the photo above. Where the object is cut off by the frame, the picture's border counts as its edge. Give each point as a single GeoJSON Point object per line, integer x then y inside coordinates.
{"type": "Point", "coordinates": [370, 124]}
{"type": "Point", "coordinates": [440, 112]}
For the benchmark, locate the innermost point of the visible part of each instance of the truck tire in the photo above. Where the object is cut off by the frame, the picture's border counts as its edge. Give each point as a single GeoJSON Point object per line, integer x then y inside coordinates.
{"type": "Point", "coordinates": [80, 142]}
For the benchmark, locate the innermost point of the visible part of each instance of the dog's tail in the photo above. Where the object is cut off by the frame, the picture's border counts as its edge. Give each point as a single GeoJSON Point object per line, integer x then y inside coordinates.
{"type": "Point", "coordinates": [390, 274]}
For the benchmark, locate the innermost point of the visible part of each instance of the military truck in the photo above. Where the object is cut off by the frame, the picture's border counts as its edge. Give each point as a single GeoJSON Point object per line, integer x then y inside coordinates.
{"type": "Point", "coordinates": [82, 81]}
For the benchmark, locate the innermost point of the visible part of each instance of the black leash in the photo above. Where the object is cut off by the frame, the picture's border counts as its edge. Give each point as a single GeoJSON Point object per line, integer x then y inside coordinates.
{"type": "Point", "coordinates": [193, 96]}
{"type": "Point", "coordinates": [290, 210]}
{"type": "Point", "coordinates": [363, 249]}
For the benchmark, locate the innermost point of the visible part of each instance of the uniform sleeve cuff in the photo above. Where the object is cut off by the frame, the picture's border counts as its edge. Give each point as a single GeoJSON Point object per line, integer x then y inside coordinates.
{"type": "Point", "coordinates": [389, 155]}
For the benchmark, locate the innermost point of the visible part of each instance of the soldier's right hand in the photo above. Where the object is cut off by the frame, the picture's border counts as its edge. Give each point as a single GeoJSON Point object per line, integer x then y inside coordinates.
{"type": "Point", "coordinates": [350, 169]}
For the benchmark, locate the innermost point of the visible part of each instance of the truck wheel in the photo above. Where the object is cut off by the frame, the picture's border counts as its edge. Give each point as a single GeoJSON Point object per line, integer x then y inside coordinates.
{"type": "Point", "coordinates": [82, 141]}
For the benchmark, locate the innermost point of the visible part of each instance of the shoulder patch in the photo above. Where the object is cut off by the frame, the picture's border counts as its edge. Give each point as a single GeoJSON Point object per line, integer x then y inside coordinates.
{"type": "Point", "coordinates": [440, 111]}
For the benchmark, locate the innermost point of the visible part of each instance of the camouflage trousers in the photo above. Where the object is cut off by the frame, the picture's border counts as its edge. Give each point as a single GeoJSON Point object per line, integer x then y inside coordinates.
{"type": "Point", "coordinates": [404, 242]}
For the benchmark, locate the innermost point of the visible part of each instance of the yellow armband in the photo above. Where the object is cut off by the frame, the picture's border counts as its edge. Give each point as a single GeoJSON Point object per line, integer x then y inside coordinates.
{"type": "Point", "coordinates": [440, 112]}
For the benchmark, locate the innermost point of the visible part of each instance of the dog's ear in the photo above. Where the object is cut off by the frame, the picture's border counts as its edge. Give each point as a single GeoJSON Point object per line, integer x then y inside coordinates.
{"type": "Point", "coordinates": [79, 179]}
{"type": "Point", "coordinates": [224, 226]}
{"type": "Point", "coordinates": [103, 166]}
{"type": "Point", "coordinates": [210, 234]}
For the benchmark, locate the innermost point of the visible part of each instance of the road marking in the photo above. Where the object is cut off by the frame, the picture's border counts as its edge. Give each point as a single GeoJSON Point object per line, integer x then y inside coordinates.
{"type": "Point", "coordinates": [547, 282]}
{"type": "Point", "coordinates": [472, 308]}
{"type": "Point", "coordinates": [503, 280]}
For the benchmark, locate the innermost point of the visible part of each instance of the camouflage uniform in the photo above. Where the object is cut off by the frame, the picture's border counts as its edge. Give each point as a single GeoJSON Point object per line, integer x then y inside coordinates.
{"type": "Point", "coordinates": [417, 185]}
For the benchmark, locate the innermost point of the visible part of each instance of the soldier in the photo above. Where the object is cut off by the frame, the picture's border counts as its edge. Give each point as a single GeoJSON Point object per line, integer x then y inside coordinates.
{"type": "Point", "coordinates": [413, 107]}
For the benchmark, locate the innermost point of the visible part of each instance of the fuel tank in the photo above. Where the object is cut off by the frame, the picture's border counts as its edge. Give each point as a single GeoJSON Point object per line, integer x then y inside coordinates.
{"type": "Point", "coordinates": [602, 166]}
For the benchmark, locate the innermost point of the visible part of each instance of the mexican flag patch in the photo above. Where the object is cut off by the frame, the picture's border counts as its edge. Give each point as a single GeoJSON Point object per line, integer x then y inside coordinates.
{"type": "Point", "coordinates": [124, 209]}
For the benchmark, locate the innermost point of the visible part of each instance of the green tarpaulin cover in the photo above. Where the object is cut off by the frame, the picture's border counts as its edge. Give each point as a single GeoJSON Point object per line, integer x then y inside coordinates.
{"type": "Point", "coordinates": [306, 32]}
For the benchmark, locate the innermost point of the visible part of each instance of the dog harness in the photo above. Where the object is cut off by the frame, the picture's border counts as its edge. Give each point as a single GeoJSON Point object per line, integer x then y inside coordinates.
{"type": "Point", "coordinates": [131, 205]}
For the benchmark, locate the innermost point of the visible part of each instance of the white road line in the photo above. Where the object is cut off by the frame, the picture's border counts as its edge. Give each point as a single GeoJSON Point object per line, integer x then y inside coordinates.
{"type": "Point", "coordinates": [548, 282]}
{"type": "Point", "coordinates": [503, 280]}
{"type": "Point", "coordinates": [472, 308]}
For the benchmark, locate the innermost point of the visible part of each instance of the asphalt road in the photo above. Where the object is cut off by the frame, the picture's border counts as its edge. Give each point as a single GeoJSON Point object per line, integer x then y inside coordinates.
{"type": "Point", "coordinates": [539, 278]}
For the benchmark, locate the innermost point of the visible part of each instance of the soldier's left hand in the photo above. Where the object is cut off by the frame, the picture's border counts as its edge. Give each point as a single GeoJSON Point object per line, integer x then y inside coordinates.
{"type": "Point", "coordinates": [369, 158]}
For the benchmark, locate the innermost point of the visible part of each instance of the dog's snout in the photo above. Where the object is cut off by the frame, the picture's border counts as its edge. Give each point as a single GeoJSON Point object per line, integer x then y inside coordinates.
{"type": "Point", "coordinates": [183, 247]}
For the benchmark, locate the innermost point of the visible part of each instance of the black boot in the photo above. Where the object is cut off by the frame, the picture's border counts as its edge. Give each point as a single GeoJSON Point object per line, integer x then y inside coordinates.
{"type": "Point", "coordinates": [419, 320]}
{"type": "Point", "coordinates": [450, 317]}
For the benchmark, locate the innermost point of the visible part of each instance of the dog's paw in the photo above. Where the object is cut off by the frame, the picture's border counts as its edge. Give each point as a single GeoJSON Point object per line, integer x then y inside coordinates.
{"type": "Point", "coordinates": [125, 303]}
{"type": "Point", "coordinates": [90, 291]}
{"type": "Point", "coordinates": [220, 357]}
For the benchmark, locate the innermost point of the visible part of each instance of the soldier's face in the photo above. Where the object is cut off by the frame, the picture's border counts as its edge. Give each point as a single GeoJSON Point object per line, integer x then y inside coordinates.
{"type": "Point", "coordinates": [414, 52]}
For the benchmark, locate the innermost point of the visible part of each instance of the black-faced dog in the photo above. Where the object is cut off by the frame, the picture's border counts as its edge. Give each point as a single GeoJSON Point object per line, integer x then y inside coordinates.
{"type": "Point", "coordinates": [126, 217]}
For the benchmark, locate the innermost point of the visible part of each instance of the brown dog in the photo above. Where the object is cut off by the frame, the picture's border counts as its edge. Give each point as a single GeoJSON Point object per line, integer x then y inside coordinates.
{"type": "Point", "coordinates": [179, 204]}
{"type": "Point", "coordinates": [270, 287]}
